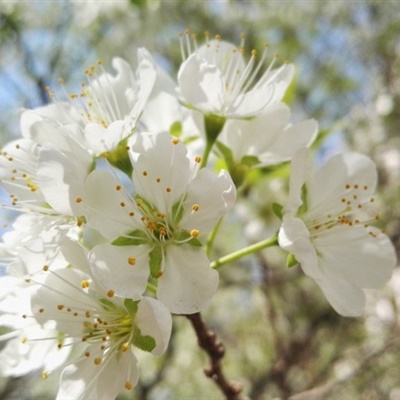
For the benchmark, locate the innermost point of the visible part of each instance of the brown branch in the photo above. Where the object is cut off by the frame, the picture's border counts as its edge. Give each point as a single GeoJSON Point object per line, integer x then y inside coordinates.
{"type": "Point", "coordinates": [215, 350]}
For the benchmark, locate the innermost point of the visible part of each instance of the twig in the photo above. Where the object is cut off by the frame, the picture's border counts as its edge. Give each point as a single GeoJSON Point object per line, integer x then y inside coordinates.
{"type": "Point", "coordinates": [215, 350]}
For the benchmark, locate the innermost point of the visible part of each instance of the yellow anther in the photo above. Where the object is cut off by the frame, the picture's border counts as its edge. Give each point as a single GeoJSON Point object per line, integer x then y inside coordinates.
{"type": "Point", "coordinates": [85, 284]}
{"type": "Point", "coordinates": [118, 187]}
{"type": "Point", "coordinates": [175, 140]}
{"type": "Point", "coordinates": [124, 347]}
{"type": "Point", "coordinates": [195, 207]}
{"type": "Point", "coordinates": [60, 307]}
{"type": "Point", "coordinates": [111, 293]}
{"type": "Point", "coordinates": [97, 361]}
{"type": "Point", "coordinates": [78, 200]}
{"type": "Point", "coordinates": [45, 374]}
{"type": "Point", "coordinates": [194, 233]}
{"type": "Point", "coordinates": [168, 189]}
{"type": "Point", "coordinates": [128, 386]}
{"type": "Point", "coordinates": [131, 261]}
{"type": "Point", "coordinates": [45, 268]}
{"type": "Point", "coordinates": [24, 340]}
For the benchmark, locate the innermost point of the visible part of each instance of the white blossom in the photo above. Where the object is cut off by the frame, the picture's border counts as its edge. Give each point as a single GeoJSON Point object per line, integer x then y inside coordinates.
{"type": "Point", "coordinates": [326, 226]}
{"type": "Point", "coordinates": [215, 79]}
{"type": "Point", "coordinates": [158, 230]}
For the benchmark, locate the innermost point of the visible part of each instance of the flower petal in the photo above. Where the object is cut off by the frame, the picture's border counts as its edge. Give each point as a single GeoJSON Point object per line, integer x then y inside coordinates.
{"type": "Point", "coordinates": [85, 380]}
{"type": "Point", "coordinates": [122, 269]}
{"type": "Point", "coordinates": [362, 257]}
{"type": "Point", "coordinates": [61, 181]}
{"type": "Point", "coordinates": [201, 85]}
{"type": "Point", "coordinates": [342, 177]}
{"type": "Point", "coordinates": [188, 282]}
{"type": "Point", "coordinates": [162, 170]}
{"type": "Point", "coordinates": [212, 196]}
{"type": "Point", "coordinates": [294, 237]}
{"type": "Point", "coordinates": [347, 299]}
{"type": "Point", "coordinates": [154, 320]}
{"type": "Point", "coordinates": [107, 207]}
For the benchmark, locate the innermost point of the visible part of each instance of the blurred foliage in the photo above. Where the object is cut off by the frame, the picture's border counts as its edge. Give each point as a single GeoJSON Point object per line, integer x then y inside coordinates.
{"type": "Point", "coordinates": [282, 338]}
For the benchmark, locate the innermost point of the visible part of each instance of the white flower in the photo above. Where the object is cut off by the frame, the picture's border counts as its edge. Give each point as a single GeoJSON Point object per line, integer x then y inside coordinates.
{"type": "Point", "coordinates": [19, 355]}
{"type": "Point", "coordinates": [108, 328]}
{"type": "Point", "coordinates": [328, 232]}
{"type": "Point", "coordinates": [215, 80]}
{"type": "Point", "coordinates": [158, 231]}
{"type": "Point", "coordinates": [104, 112]}
{"type": "Point", "coordinates": [45, 183]}
{"type": "Point", "coordinates": [269, 138]}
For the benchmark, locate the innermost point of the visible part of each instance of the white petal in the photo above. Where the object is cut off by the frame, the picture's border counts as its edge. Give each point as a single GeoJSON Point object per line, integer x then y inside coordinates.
{"type": "Point", "coordinates": [214, 194]}
{"type": "Point", "coordinates": [162, 171]}
{"type": "Point", "coordinates": [102, 139]}
{"type": "Point", "coordinates": [294, 237]}
{"type": "Point", "coordinates": [63, 288]}
{"type": "Point", "coordinates": [106, 208]}
{"type": "Point", "coordinates": [123, 269]}
{"type": "Point", "coordinates": [75, 254]}
{"type": "Point", "coordinates": [201, 84]}
{"type": "Point", "coordinates": [255, 101]}
{"type": "Point", "coordinates": [84, 380]}
{"type": "Point", "coordinates": [353, 254]}
{"type": "Point", "coordinates": [61, 181]}
{"type": "Point", "coordinates": [252, 137]}
{"type": "Point", "coordinates": [345, 298]}
{"type": "Point", "coordinates": [188, 282]}
{"type": "Point", "coordinates": [328, 186]}
{"type": "Point", "coordinates": [289, 141]}
{"type": "Point", "coordinates": [154, 320]}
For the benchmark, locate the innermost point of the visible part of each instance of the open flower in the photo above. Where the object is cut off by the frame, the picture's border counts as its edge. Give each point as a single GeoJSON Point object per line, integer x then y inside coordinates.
{"type": "Point", "coordinates": [104, 112]}
{"type": "Point", "coordinates": [109, 329]}
{"type": "Point", "coordinates": [269, 138]}
{"type": "Point", "coordinates": [216, 80]}
{"type": "Point", "coordinates": [158, 231]}
{"type": "Point", "coordinates": [326, 226]}
{"type": "Point", "coordinates": [19, 355]}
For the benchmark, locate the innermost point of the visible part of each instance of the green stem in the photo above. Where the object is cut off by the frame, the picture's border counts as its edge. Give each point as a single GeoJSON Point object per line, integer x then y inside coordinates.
{"type": "Point", "coordinates": [151, 288]}
{"type": "Point", "coordinates": [236, 255]}
{"type": "Point", "coordinates": [206, 154]}
{"type": "Point", "coordinates": [211, 238]}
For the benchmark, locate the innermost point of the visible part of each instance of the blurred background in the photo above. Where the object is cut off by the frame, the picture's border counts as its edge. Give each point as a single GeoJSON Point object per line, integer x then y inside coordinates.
{"type": "Point", "coordinates": [282, 338]}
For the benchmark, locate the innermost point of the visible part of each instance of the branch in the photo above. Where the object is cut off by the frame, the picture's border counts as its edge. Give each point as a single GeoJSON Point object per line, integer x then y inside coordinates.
{"type": "Point", "coordinates": [215, 350]}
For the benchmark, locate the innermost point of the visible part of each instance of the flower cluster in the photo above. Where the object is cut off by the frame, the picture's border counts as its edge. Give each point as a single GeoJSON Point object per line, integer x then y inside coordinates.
{"type": "Point", "coordinates": [119, 190]}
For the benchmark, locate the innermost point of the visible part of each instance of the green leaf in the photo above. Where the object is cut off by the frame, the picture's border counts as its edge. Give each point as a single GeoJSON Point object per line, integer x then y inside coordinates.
{"type": "Point", "coordinates": [304, 207]}
{"type": "Point", "coordinates": [177, 212]}
{"type": "Point", "coordinates": [277, 209]}
{"type": "Point", "coordinates": [131, 306]}
{"type": "Point", "coordinates": [291, 261]}
{"type": "Point", "coordinates": [250, 161]}
{"type": "Point", "coordinates": [156, 257]}
{"type": "Point", "coordinates": [226, 153]}
{"type": "Point", "coordinates": [119, 158]}
{"type": "Point", "coordinates": [145, 343]}
{"type": "Point", "coordinates": [176, 129]}
{"type": "Point", "coordinates": [134, 238]}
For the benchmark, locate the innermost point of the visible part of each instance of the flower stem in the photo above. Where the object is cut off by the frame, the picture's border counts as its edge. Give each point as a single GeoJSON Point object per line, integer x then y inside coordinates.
{"type": "Point", "coordinates": [211, 238]}
{"type": "Point", "coordinates": [236, 255]}
{"type": "Point", "coordinates": [206, 153]}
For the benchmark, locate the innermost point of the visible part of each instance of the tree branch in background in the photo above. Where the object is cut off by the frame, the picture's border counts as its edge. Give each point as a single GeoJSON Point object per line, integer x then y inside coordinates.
{"type": "Point", "coordinates": [215, 350]}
